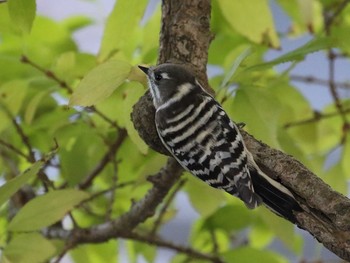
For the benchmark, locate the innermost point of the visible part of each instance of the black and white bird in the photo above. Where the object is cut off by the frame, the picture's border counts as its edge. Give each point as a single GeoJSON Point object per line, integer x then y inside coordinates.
{"type": "Point", "coordinates": [199, 134]}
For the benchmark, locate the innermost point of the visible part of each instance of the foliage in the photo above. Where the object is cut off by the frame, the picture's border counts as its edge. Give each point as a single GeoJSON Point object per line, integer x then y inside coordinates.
{"type": "Point", "coordinates": [99, 165]}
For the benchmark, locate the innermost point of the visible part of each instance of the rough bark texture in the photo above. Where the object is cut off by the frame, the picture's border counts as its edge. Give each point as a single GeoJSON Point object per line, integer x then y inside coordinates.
{"type": "Point", "coordinates": [185, 38]}
{"type": "Point", "coordinates": [327, 213]}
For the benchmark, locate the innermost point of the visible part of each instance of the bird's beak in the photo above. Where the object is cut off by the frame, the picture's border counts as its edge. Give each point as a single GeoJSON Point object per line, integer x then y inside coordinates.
{"type": "Point", "coordinates": [144, 69]}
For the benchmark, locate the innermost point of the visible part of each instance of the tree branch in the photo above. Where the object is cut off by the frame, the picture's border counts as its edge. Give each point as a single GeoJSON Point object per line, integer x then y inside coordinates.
{"type": "Point", "coordinates": [326, 213]}
{"type": "Point", "coordinates": [24, 139]}
{"type": "Point", "coordinates": [48, 73]}
{"type": "Point", "coordinates": [178, 248]}
{"type": "Point", "coordinates": [317, 116]}
{"type": "Point", "coordinates": [322, 82]}
{"type": "Point", "coordinates": [105, 160]}
{"type": "Point", "coordinates": [138, 213]}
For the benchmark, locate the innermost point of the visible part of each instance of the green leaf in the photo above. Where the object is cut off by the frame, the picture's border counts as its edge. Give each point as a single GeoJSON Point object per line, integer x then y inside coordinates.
{"type": "Point", "coordinates": [283, 229]}
{"type": "Point", "coordinates": [22, 13]}
{"type": "Point", "coordinates": [45, 210]}
{"type": "Point", "coordinates": [297, 54]}
{"type": "Point", "coordinates": [306, 15]}
{"type": "Point", "coordinates": [72, 65]}
{"type": "Point", "coordinates": [95, 253]}
{"type": "Point", "coordinates": [260, 110]}
{"type": "Point", "coordinates": [202, 239]}
{"type": "Point", "coordinates": [203, 197]}
{"type": "Point", "coordinates": [81, 145]}
{"type": "Point", "coordinates": [260, 235]}
{"type": "Point", "coordinates": [34, 103]}
{"type": "Point", "coordinates": [121, 27]}
{"type": "Point", "coordinates": [248, 255]}
{"type": "Point", "coordinates": [147, 251]}
{"type": "Point", "coordinates": [150, 41]}
{"type": "Point", "coordinates": [229, 218]}
{"type": "Point", "coordinates": [337, 177]}
{"type": "Point", "coordinates": [12, 186]}
{"type": "Point", "coordinates": [12, 94]}
{"type": "Point", "coordinates": [29, 248]}
{"type": "Point", "coordinates": [100, 83]}
{"type": "Point", "coordinates": [77, 22]}
{"type": "Point", "coordinates": [133, 92]}
{"type": "Point", "coordinates": [252, 19]}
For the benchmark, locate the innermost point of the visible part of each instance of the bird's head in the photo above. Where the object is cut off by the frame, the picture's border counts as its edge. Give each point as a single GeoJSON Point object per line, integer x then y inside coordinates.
{"type": "Point", "coordinates": [167, 80]}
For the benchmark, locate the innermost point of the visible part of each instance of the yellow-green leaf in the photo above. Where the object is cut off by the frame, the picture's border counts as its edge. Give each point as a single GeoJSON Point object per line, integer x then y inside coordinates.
{"type": "Point", "coordinates": [12, 186]}
{"type": "Point", "coordinates": [283, 229]}
{"type": "Point", "coordinates": [248, 254]}
{"type": "Point", "coordinates": [33, 105]}
{"type": "Point", "coordinates": [260, 110]}
{"type": "Point", "coordinates": [296, 54]}
{"type": "Point", "coordinates": [22, 13]}
{"type": "Point", "coordinates": [260, 235]}
{"type": "Point", "coordinates": [45, 210]}
{"type": "Point", "coordinates": [29, 248]}
{"type": "Point", "coordinates": [222, 218]}
{"type": "Point", "coordinates": [12, 94]}
{"type": "Point", "coordinates": [204, 198]}
{"type": "Point", "coordinates": [134, 91]}
{"type": "Point", "coordinates": [92, 253]}
{"type": "Point", "coordinates": [252, 19]}
{"type": "Point", "coordinates": [76, 22]}
{"type": "Point", "coordinates": [121, 26]}
{"type": "Point", "coordinates": [100, 83]}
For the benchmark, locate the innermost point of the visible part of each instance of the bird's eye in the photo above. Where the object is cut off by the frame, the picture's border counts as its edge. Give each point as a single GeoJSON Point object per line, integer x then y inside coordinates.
{"type": "Point", "coordinates": [158, 76]}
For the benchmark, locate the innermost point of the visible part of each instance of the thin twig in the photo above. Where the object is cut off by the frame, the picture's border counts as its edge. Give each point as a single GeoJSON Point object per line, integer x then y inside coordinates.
{"type": "Point", "coordinates": [178, 248]}
{"type": "Point", "coordinates": [105, 160]}
{"type": "Point", "coordinates": [317, 81]}
{"type": "Point", "coordinates": [64, 85]}
{"type": "Point", "coordinates": [48, 73]}
{"type": "Point", "coordinates": [331, 82]}
{"type": "Point", "coordinates": [171, 197]}
{"type": "Point", "coordinates": [329, 19]}
{"type": "Point", "coordinates": [334, 92]}
{"type": "Point", "coordinates": [215, 242]}
{"type": "Point", "coordinates": [121, 185]}
{"type": "Point", "coordinates": [64, 251]}
{"type": "Point", "coordinates": [112, 197]}
{"type": "Point", "coordinates": [14, 149]}
{"type": "Point", "coordinates": [317, 117]}
{"type": "Point", "coordinates": [25, 140]}
{"type": "Point", "coordinates": [104, 117]}
{"type": "Point", "coordinates": [31, 157]}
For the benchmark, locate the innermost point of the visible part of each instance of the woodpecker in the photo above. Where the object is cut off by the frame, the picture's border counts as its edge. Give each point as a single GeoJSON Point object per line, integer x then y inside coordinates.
{"type": "Point", "coordinates": [198, 133]}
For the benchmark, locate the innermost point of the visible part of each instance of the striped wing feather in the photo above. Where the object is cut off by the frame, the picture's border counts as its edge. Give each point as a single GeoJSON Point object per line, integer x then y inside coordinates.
{"type": "Point", "coordinates": [207, 144]}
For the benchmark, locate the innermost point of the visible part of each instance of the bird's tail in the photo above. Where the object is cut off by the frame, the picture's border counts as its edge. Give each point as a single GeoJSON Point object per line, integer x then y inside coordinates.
{"type": "Point", "coordinates": [274, 195]}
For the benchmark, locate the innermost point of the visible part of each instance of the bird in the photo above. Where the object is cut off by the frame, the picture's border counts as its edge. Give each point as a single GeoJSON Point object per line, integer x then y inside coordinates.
{"type": "Point", "coordinates": [200, 135]}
